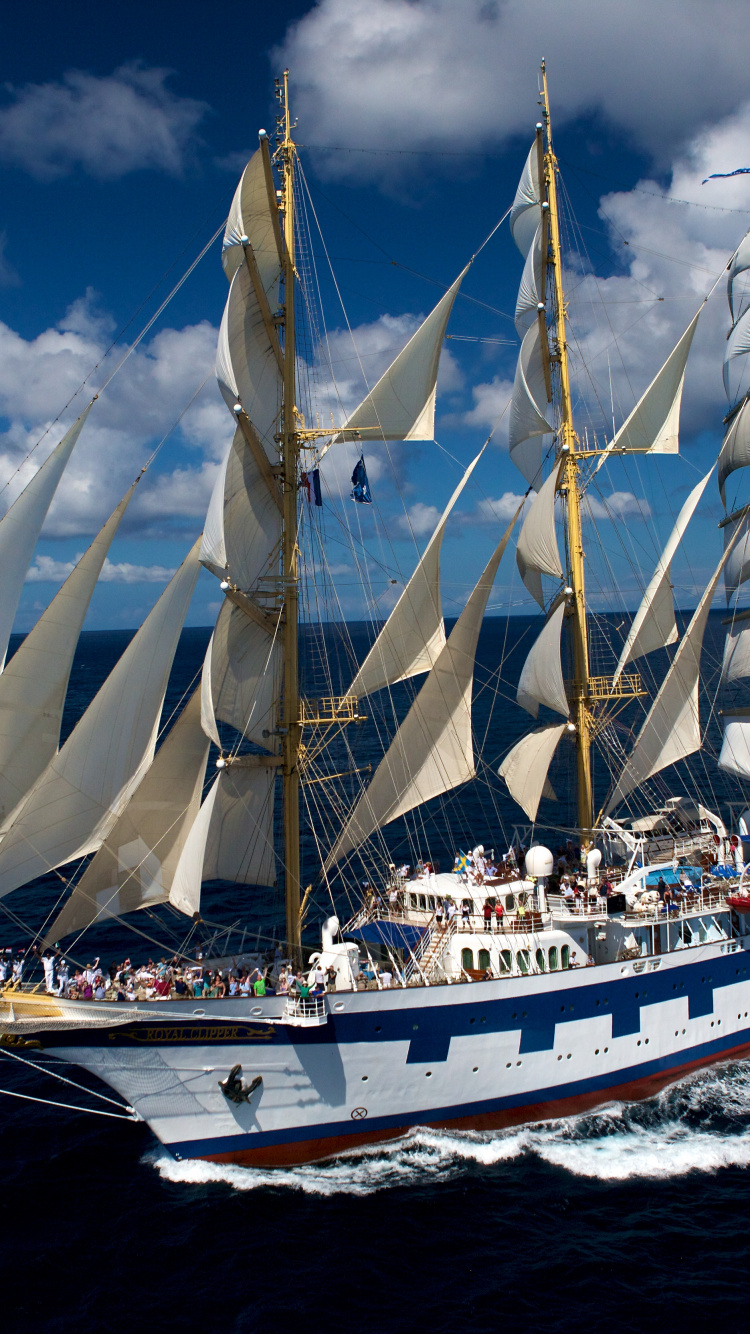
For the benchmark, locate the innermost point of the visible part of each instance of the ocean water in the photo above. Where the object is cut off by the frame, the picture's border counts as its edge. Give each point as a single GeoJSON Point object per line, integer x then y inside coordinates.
{"type": "Point", "coordinates": [635, 1217]}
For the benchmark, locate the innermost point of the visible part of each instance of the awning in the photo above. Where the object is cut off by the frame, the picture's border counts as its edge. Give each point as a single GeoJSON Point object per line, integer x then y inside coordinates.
{"type": "Point", "coordinates": [396, 935]}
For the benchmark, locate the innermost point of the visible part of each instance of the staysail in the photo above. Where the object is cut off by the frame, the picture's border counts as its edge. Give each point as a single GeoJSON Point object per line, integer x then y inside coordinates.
{"type": "Point", "coordinates": [528, 421]}
{"type": "Point", "coordinates": [735, 749]}
{"type": "Point", "coordinates": [526, 766]}
{"type": "Point", "coordinates": [737, 548]}
{"type": "Point", "coordinates": [541, 680]}
{"type": "Point", "coordinates": [21, 526]}
{"type": "Point", "coordinates": [432, 750]}
{"type": "Point", "coordinates": [136, 862]}
{"type": "Point", "coordinates": [654, 624]}
{"type": "Point", "coordinates": [34, 682]}
{"type": "Point", "coordinates": [653, 426]}
{"type": "Point", "coordinates": [537, 552]}
{"type": "Point", "coordinates": [243, 524]}
{"type": "Point", "coordinates": [79, 795]}
{"type": "Point", "coordinates": [526, 210]}
{"type": "Point", "coordinates": [241, 678]}
{"type": "Point", "coordinates": [735, 449]}
{"type": "Point", "coordinates": [414, 634]}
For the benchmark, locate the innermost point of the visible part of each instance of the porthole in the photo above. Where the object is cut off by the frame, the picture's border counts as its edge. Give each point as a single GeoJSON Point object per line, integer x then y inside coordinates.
{"type": "Point", "coordinates": [257, 1010]}
{"type": "Point", "coordinates": [472, 1021]}
{"type": "Point", "coordinates": [683, 1032]}
{"type": "Point", "coordinates": [712, 1023]}
{"type": "Point", "coordinates": [476, 1067]}
{"type": "Point", "coordinates": [507, 1065]}
{"type": "Point", "coordinates": [677, 1034]}
{"type": "Point", "coordinates": [377, 1028]}
{"type": "Point", "coordinates": [647, 1041]}
{"type": "Point", "coordinates": [338, 1006]}
{"type": "Point", "coordinates": [637, 994]}
{"type": "Point", "coordinates": [638, 1043]}
{"type": "Point", "coordinates": [519, 1062]}
{"type": "Point", "coordinates": [200, 1013]}
{"type": "Point", "coordinates": [596, 1053]}
{"type": "Point", "coordinates": [523, 1016]}
{"type": "Point", "coordinates": [483, 1021]}
{"type": "Point", "coordinates": [365, 1078]}
{"type": "Point", "coordinates": [598, 1002]}
{"type": "Point", "coordinates": [559, 1058]}
{"type": "Point", "coordinates": [415, 1027]}
{"type": "Point", "coordinates": [606, 1048]}
{"type": "Point", "coordinates": [428, 1074]}
{"type": "Point", "coordinates": [569, 1055]}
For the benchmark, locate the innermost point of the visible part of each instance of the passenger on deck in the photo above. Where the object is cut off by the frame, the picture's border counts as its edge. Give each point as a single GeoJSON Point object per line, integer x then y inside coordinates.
{"type": "Point", "coordinates": [330, 978]}
{"type": "Point", "coordinates": [487, 913]}
{"type": "Point", "coordinates": [386, 976]}
{"type": "Point", "coordinates": [465, 914]}
{"type": "Point", "coordinates": [438, 913]}
{"type": "Point", "coordinates": [499, 912]}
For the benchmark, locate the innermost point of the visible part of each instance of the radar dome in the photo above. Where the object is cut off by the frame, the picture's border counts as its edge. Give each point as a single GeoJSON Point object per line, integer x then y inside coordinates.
{"type": "Point", "coordinates": [539, 861]}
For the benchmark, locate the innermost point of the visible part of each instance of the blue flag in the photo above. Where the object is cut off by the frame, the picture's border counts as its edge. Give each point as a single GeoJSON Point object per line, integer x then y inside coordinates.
{"type": "Point", "coordinates": [315, 479]}
{"type": "Point", "coordinates": [722, 175]}
{"type": "Point", "coordinates": [360, 484]}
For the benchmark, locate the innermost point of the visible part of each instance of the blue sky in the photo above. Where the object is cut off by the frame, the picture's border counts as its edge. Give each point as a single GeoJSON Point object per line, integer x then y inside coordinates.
{"type": "Point", "coordinates": [122, 134]}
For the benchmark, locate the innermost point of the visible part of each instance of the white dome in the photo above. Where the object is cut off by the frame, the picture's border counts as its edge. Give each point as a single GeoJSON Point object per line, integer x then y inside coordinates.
{"type": "Point", "coordinates": [539, 861]}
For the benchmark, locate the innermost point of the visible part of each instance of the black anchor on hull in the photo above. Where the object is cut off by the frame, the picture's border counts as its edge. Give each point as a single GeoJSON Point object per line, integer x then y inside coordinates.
{"type": "Point", "coordinates": [234, 1087]}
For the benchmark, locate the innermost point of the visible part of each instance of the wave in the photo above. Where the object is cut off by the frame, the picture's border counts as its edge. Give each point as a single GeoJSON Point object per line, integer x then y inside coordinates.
{"type": "Point", "coordinates": [699, 1125]}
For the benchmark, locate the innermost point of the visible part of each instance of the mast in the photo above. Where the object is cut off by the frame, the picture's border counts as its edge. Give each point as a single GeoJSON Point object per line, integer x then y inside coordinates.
{"type": "Point", "coordinates": [290, 587]}
{"type": "Point", "coordinates": [569, 480]}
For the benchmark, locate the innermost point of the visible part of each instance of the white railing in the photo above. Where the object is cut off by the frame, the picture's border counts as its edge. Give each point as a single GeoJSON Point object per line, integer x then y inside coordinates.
{"type": "Point", "coordinates": [305, 1011]}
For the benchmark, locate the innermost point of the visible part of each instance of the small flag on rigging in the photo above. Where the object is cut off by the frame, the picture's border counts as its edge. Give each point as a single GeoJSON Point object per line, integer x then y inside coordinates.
{"type": "Point", "coordinates": [721, 175]}
{"type": "Point", "coordinates": [360, 484]}
{"type": "Point", "coordinates": [315, 479]}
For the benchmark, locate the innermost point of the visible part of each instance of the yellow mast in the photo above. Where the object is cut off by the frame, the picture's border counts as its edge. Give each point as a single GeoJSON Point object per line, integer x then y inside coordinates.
{"type": "Point", "coordinates": [569, 482]}
{"type": "Point", "coordinates": [289, 461]}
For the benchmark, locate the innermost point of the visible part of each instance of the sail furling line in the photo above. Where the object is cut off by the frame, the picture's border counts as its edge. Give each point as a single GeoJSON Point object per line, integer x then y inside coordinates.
{"type": "Point", "coordinates": [432, 750]}
{"type": "Point", "coordinates": [414, 634]}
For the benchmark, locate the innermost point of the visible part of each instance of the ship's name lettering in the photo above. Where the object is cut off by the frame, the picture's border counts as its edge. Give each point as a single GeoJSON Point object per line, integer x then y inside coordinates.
{"type": "Point", "coordinates": [196, 1033]}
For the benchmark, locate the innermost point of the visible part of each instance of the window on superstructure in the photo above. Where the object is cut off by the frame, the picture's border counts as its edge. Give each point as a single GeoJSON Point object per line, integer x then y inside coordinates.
{"type": "Point", "coordinates": [523, 960]}
{"type": "Point", "coordinates": [505, 961]}
{"type": "Point", "coordinates": [484, 959]}
{"type": "Point", "coordinates": [413, 901]}
{"type": "Point", "coordinates": [540, 960]}
{"type": "Point", "coordinates": [565, 956]}
{"type": "Point", "coordinates": [552, 958]}
{"type": "Point", "coordinates": [423, 902]}
{"type": "Point", "coordinates": [510, 902]}
{"type": "Point", "coordinates": [467, 959]}
{"type": "Point", "coordinates": [431, 902]}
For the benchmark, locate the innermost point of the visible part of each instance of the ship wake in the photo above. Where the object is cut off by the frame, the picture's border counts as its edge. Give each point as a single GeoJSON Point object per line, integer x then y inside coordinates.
{"type": "Point", "coordinates": [699, 1125]}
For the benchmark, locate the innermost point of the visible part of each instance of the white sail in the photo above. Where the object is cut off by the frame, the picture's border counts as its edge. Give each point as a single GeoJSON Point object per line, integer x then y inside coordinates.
{"type": "Point", "coordinates": [246, 362]}
{"type": "Point", "coordinates": [34, 682]}
{"type": "Point", "coordinates": [136, 862]}
{"type": "Point", "coordinates": [737, 545]}
{"type": "Point", "coordinates": [526, 766]}
{"type": "Point", "coordinates": [735, 449]}
{"type": "Point", "coordinates": [401, 406]}
{"type": "Point", "coordinates": [528, 420]}
{"type": "Point", "coordinates": [243, 524]}
{"type": "Point", "coordinates": [250, 216]}
{"type": "Point", "coordinates": [412, 637]}
{"type": "Point", "coordinates": [740, 264]}
{"type": "Point", "coordinates": [432, 750]}
{"type": "Point", "coordinates": [77, 799]}
{"type": "Point", "coordinates": [185, 891]}
{"type": "Point", "coordinates": [242, 677]}
{"type": "Point", "coordinates": [240, 838]}
{"type": "Point", "coordinates": [671, 729]}
{"type": "Point", "coordinates": [541, 680]}
{"type": "Point", "coordinates": [529, 292]}
{"type": "Point", "coordinates": [736, 662]}
{"type": "Point", "coordinates": [735, 748]}
{"type": "Point", "coordinates": [735, 369]}
{"type": "Point", "coordinates": [654, 624]}
{"type": "Point", "coordinates": [526, 212]}
{"type": "Point", "coordinates": [21, 526]}
{"type": "Point", "coordinates": [653, 426]}
{"type": "Point", "coordinates": [537, 551]}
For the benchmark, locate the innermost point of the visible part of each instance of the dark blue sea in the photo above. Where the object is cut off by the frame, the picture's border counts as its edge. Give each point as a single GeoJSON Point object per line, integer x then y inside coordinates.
{"type": "Point", "coordinates": [633, 1218]}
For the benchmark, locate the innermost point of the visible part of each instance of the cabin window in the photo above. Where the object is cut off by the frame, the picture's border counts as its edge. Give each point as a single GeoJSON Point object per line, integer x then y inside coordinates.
{"type": "Point", "coordinates": [413, 901]}
{"type": "Point", "coordinates": [540, 960]}
{"type": "Point", "coordinates": [467, 959]}
{"type": "Point", "coordinates": [505, 960]}
{"type": "Point", "coordinates": [423, 902]}
{"type": "Point", "coordinates": [431, 902]}
{"type": "Point", "coordinates": [565, 956]}
{"type": "Point", "coordinates": [522, 959]}
{"type": "Point", "coordinates": [484, 958]}
{"type": "Point", "coordinates": [552, 958]}
{"type": "Point", "coordinates": [687, 934]}
{"type": "Point", "coordinates": [510, 902]}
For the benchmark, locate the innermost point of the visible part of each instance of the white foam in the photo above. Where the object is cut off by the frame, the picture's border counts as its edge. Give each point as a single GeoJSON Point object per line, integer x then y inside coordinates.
{"type": "Point", "coordinates": [667, 1137]}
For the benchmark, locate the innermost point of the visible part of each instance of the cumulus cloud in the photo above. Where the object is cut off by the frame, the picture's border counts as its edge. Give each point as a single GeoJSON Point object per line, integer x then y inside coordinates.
{"type": "Point", "coordinates": [46, 569]}
{"type": "Point", "coordinates": [433, 74]}
{"type": "Point", "coordinates": [618, 505]}
{"type": "Point", "coordinates": [106, 126]}
{"type": "Point", "coordinates": [502, 509]}
{"type": "Point", "coordinates": [420, 519]}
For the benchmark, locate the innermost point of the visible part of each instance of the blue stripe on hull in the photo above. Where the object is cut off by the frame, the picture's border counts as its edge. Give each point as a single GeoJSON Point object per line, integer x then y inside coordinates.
{"type": "Point", "coordinates": [401, 1122]}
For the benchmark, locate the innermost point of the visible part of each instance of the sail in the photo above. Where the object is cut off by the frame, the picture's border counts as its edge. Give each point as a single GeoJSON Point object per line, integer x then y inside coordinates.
{"type": "Point", "coordinates": [736, 662]}
{"type": "Point", "coordinates": [21, 526]}
{"type": "Point", "coordinates": [242, 676]}
{"type": "Point", "coordinates": [77, 799]}
{"type": "Point", "coordinates": [654, 625]}
{"type": "Point", "coordinates": [735, 748]}
{"type": "Point", "coordinates": [402, 404]}
{"type": "Point", "coordinates": [250, 217]}
{"type": "Point", "coordinates": [541, 680]}
{"type": "Point", "coordinates": [672, 726]}
{"type": "Point", "coordinates": [735, 449]}
{"type": "Point", "coordinates": [432, 750]}
{"type": "Point", "coordinates": [740, 264]}
{"type": "Point", "coordinates": [654, 424]}
{"type": "Point", "coordinates": [735, 369]}
{"type": "Point", "coordinates": [737, 546]}
{"type": "Point", "coordinates": [136, 862]}
{"type": "Point", "coordinates": [247, 366]}
{"type": "Point", "coordinates": [185, 891]}
{"type": "Point", "coordinates": [526, 766]}
{"type": "Point", "coordinates": [526, 212]}
{"type": "Point", "coordinates": [412, 637]}
{"type": "Point", "coordinates": [529, 292]}
{"type": "Point", "coordinates": [240, 838]}
{"type": "Point", "coordinates": [34, 682]}
{"type": "Point", "coordinates": [243, 524]}
{"type": "Point", "coordinates": [528, 421]}
{"type": "Point", "coordinates": [537, 551]}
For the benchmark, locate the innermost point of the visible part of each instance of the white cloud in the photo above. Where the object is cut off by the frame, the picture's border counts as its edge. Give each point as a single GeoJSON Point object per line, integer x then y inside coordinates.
{"type": "Point", "coordinates": [618, 505]}
{"type": "Point", "coordinates": [491, 511]}
{"type": "Point", "coordinates": [108, 126]}
{"type": "Point", "coordinates": [420, 519]}
{"type": "Point", "coordinates": [47, 570]}
{"type": "Point", "coordinates": [435, 74]}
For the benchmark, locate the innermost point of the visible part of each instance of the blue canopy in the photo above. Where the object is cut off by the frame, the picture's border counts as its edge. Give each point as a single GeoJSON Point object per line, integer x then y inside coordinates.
{"type": "Point", "coordinates": [397, 935]}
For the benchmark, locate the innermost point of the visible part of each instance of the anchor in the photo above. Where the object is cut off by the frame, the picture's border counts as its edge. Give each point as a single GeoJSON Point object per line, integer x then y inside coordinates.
{"type": "Point", "coordinates": [234, 1087]}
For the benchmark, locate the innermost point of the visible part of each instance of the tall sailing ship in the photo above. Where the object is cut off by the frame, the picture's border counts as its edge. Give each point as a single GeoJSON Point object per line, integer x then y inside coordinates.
{"type": "Point", "coordinates": [514, 997]}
